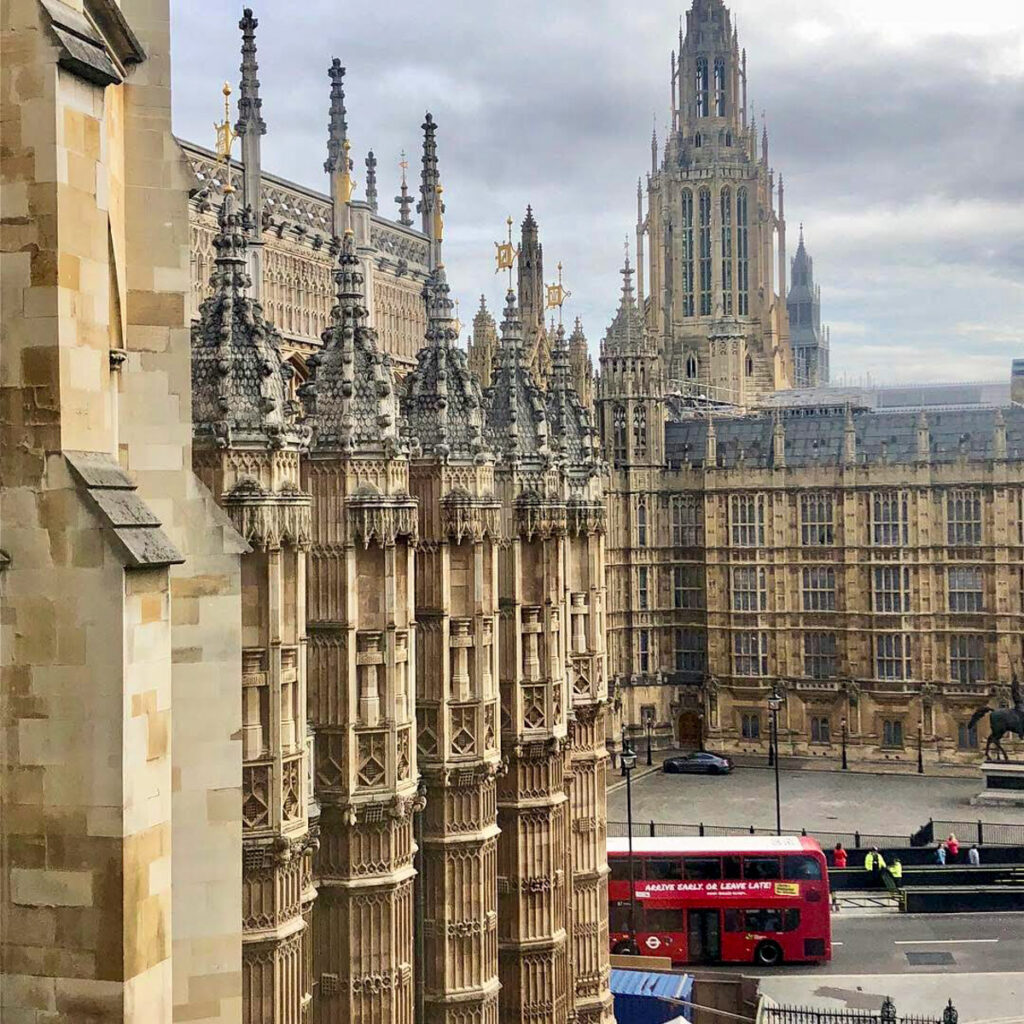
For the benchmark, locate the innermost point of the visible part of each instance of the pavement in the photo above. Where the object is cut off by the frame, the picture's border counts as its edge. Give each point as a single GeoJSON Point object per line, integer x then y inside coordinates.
{"type": "Point", "coordinates": [836, 801]}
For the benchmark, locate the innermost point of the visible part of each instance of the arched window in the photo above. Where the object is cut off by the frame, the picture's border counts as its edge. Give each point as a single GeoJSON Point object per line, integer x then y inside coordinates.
{"type": "Point", "coordinates": [701, 90]}
{"type": "Point", "coordinates": [704, 202]}
{"type": "Point", "coordinates": [726, 217]}
{"type": "Point", "coordinates": [728, 138]}
{"type": "Point", "coordinates": [719, 87]}
{"type": "Point", "coordinates": [640, 430]}
{"type": "Point", "coordinates": [691, 367]}
{"type": "Point", "coordinates": [641, 524]}
{"type": "Point", "coordinates": [687, 252]}
{"type": "Point", "coordinates": [750, 367]}
{"type": "Point", "coordinates": [742, 254]}
{"type": "Point", "coordinates": [618, 434]}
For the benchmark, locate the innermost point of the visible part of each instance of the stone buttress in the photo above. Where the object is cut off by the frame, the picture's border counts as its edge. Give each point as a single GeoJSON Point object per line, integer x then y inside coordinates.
{"type": "Point", "coordinates": [361, 658]}
{"type": "Point", "coordinates": [452, 477]}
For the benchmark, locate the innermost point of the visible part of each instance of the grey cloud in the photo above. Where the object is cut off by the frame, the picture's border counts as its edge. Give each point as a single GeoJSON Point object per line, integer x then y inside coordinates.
{"type": "Point", "coordinates": [553, 105]}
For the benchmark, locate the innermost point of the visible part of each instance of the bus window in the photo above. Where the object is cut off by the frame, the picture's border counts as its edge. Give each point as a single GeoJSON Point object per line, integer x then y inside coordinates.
{"type": "Point", "coordinates": [702, 868]}
{"type": "Point", "coordinates": [734, 920]}
{"type": "Point", "coordinates": [764, 920]}
{"type": "Point", "coordinates": [662, 920]}
{"type": "Point", "coordinates": [801, 869]}
{"type": "Point", "coordinates": [618, 868]}
{"type": "Point", "coordinates": [731, 868]}
{"type": "Point", "coordinates": [790, 920]}
{"type": "Point", "coordinates": [664, 871]}
{"type": "Point", "coordinates": [761, 869]}
{"type": "Point", "coordinates": [618, 916]}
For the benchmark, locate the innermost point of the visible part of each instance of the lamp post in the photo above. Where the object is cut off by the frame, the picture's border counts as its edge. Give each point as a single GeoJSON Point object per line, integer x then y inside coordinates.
{"type": "Point", "coordinates": [622, 751]}
{"type": "Point", "coordinates": [920, 749]}
{"type": "Point", "coordinates": [628, 764]}
{"type": "Point", "coordinates": [842, 726]}
{"type": "Point", "coordinates": [774, 706]}
{"type": "Point", "coordinates": [649, 724]}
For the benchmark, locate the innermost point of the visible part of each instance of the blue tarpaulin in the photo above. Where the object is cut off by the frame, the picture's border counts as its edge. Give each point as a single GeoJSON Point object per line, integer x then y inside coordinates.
{"type": "Point", "coordinates": [641, 996]}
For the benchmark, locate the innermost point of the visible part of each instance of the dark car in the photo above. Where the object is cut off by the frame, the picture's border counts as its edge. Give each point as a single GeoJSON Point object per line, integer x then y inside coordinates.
{"type": "Point", "coordinates": [708, 764]}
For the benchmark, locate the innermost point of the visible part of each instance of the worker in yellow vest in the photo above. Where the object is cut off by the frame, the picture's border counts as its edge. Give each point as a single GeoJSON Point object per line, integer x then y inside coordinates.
{"type": "Point", "coordinates": [875, 863]}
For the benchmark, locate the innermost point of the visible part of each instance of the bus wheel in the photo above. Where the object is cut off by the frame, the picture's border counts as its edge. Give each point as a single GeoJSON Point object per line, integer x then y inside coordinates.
{"type": "Point", "coordinates": [768, 954]}
{"type": "Point", "coordinates": [626, 947]}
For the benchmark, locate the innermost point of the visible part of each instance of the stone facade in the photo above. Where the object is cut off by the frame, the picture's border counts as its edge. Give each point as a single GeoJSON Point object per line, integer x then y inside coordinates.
{"type": "Point", "coordinates": [708, 290]}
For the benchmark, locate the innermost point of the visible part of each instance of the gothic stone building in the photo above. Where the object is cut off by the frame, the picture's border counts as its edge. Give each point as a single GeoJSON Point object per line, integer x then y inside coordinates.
{"type": "Point", "coordinates": [303, 632]}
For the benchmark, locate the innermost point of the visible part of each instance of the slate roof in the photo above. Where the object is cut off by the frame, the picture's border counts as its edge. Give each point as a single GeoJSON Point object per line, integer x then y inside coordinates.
{"type": "Point", "coordinates": [817, 438]}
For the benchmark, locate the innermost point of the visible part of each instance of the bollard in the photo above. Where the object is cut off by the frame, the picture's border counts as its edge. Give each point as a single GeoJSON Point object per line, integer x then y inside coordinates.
{"type": "Point", "coordinates": [803, 831]}
{"type": "Point", "coordinates": [751, 829]}
{"type": "Point", "coordinates": [652, 828]}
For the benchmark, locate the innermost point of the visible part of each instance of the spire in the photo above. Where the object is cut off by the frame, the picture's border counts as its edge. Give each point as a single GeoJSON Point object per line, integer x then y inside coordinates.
{"type": "Point", "coordinates": [404, 200]}
{"type": "Point", "coordinates": [849, 439]}
{"type": "Point", "coordinates": [711, 446]}
{"type": "Point", "coordinates": [764, 139]}
{"type": "Point", "coordinates": [571, 430]}
{"type": "Point", "coordinates": [625, 334]}
{"type": "Point", "coordinates": [350, 397]}
{"type": "Point", "coordinates": [654, 146]}
{"type": "Point", "coordinates": [441, 401]}
{"type": "Point", "coordinates": [249, 127]}
{"type": "Point", "coordinates": [337, 128]}
{"type": "Point", "coordinates": [371, 180]}
{"type": "Point", "coordinates": [430, 206]}
{"type": "Point", "coordinates": [778, 443]}
{"type": "Point", "coordinates": [999, 436]}
{"type": "Point", "coordinates": [923, 438]}
{"type": "Point", "coordinates": [239, 384]}
{"type": "Point", "coordinates": [250, 117]}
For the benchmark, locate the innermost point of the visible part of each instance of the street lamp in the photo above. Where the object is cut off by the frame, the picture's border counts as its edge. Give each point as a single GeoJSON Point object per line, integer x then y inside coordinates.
{"type": "Point", "coordinates": [622, 754]}
{"type": "Point", "coordinates": [774, 706]}
{"type": "Point", "coordinates": [842, 726]}
{"type": "Point", "coordinates": [920, 749]}
{"type": "Point", "coordinates": [628, 764]}
{"type": "Point", "coordinates": [649, 724]}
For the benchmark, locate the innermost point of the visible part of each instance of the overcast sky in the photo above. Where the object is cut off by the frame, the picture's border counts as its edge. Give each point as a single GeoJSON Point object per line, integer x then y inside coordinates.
{"type": "Point", "coordinates": [898, 125]}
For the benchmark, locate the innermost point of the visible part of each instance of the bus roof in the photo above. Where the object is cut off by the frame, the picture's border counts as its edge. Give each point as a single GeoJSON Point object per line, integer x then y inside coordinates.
{"type": "Point", "coordinates": [713, 844]}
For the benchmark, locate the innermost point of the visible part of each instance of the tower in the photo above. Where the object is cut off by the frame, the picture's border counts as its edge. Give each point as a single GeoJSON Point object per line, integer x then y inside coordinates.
{"type": "Point", "coordinates": [361, 659]}
{"type": "Point", "coordinates": [452, 478]}
{"type": "Point", "coordinates": [581, 366]}
{"type": "Point", "coordinates": [712, 228]}
{"type": "Point", "coordinates": [483, 346]}
{"type": "Point", "coordinates": [536, 343]}
{"type": "Point", "coordinates": [810, 339]}
{"type": "Point", "coordinates": [250, 127]}
{"type": "Point", "coordinates": [247, 448]}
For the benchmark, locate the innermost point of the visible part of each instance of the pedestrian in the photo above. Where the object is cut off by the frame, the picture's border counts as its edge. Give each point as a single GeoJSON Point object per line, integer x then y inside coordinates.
{"type": "Point", "coordinates": [953, 845]}
{"type": "Point", "coordinates": [875, 863]}
{"type": "Point", "coordinates": [896, 870]}
{"type": "Point", "coordinates": [973, 856]}
{"type": "Point", "coordinates": [940, 854]}
{"type": "Point", "coordinates": [839, 856]}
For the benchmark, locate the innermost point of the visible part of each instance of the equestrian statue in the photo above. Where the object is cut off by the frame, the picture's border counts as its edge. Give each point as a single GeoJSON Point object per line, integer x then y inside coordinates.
{"type": "Point", "coordinates": [1002, 720]}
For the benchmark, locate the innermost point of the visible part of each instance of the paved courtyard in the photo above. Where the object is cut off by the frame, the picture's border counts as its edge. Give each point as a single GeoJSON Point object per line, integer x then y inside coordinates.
{"type": "Point", "coordinates": [827, 801]}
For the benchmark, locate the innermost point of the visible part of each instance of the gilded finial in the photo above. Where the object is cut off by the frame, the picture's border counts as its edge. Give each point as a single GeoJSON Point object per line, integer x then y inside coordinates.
{"type": "Point", "coordinates": [348, 183]}
{"type": "Point", "coordinates": [557, 294]}
{"type": "Point", "coordinates": [404, 164]}
{"type": "Point", "coordinates": [438, 215]}
{"type": "Point", "coordinates": [226, 136]}
{"type": "Point", "coordinates": [507, 254]}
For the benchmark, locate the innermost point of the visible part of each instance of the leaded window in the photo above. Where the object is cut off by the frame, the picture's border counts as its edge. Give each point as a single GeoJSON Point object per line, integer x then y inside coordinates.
{"type": "Point", "coordinates": [817, 519]}
{"type": "Point", "coordinates": [890, 589]}
{"type": "Point", "coordinates": [701, 90]}
{"type": "Point", "coordinates": [820, 655]}
{"type": "Point", "coordinates": [687, 521]}
{"type": "Point", "coordinates": [963, 517]}
{"type": "Point", "coordinates": [967, 736]}
{"type": "Point", "coordinates": [619, 434]}
{"type": "Point", "coordinates": [687, 587]}
{"type": "Point", "coordinates": [821, 731]}
{"type": "Point", "coordinates": [890, 514]}
{"type": "Point", "coordinates": [640, 430]}
{"type": "Point", "coordinates": [819, 588]}
{"type": "Point", "coordinates": [643, 592]}
{"type": "Point", "coordinates": [726, 220]}
{"type": "Point", "coordinates": [749, 589]}
{"type": "Point", "coordinates": [750, 726]}
{"type": "Point", "coordinates": [892, 656]}
{"type": "Point", "coordinates": [688, 257]}
{"type": "Point", "coordinates": [892, 732]}
{"type": "Point", "coordinates": [750, 653]}
{"type": "Point", "coordinates": [746, 520]}
{"type": "Point", "coordinates": [719, 87]}
{"type": "Point", "coordinates": [641, 524]}
{"type": "Point", "coordinates": [704, 202]}
{"type": "Point", "coordinates": [645, 650]}
{"type": "Point", "coordinates": [966, 588]}
{"type": "Point", "coordinates": [742, 254]}
{"type": "Point", "coordinates": [966, 658]}
{"type": "Point", "coordinates": [691, 654]}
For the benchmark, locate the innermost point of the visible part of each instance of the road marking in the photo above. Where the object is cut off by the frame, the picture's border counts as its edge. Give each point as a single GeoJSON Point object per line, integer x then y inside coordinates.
{"type": "Point", "coordinates": [836, 943]}
{"type": "Point", "coordinates": [935, 942]}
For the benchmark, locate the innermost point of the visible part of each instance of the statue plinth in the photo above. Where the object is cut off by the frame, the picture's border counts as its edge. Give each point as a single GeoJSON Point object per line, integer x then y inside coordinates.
{"type": "Point", "coordinates": [1004, 784]}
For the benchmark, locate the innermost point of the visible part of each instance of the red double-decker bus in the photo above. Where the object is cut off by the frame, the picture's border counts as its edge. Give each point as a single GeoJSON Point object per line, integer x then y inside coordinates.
{"type": "Point", "coordinates": [735, 899]}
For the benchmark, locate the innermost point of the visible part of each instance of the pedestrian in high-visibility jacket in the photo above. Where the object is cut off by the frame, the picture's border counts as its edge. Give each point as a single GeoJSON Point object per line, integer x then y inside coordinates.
{"type": "Point", "coordinates": [874, 862]}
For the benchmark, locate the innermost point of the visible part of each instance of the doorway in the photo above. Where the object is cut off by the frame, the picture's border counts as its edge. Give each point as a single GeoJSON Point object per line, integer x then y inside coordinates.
{"type": "Point", "coordinates": [703, 936]}
{"type": "Point", "coordinates": [688, 730]}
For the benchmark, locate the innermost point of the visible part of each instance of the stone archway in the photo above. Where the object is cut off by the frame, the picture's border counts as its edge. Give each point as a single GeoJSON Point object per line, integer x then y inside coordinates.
{"type": "Point", "coordinates": [688, 730]}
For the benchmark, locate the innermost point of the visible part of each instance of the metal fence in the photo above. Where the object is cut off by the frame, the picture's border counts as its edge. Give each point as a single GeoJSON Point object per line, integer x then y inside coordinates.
{"type": "Point", "coordinates": [984, 833]}
{"type": "Point", "coordinates": [777, 1014]}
